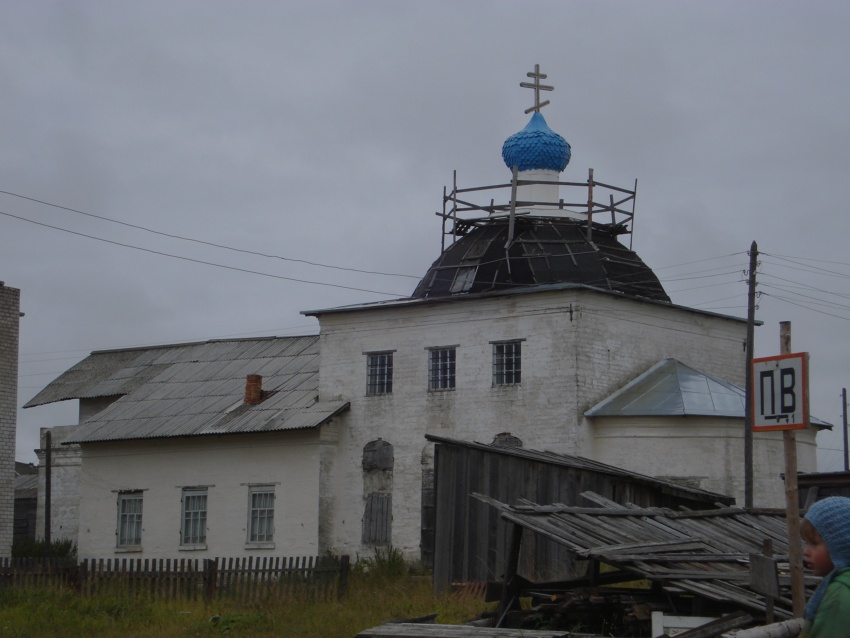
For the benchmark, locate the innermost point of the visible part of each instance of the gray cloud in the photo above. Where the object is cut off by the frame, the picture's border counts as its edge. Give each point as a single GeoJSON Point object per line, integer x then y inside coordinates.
{"type": "Point", "coordinates": [325, 131]}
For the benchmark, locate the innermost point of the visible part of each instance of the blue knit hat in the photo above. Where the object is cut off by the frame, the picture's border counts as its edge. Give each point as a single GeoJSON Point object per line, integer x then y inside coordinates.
{"type": "Point", "coordinates": [831, 518]}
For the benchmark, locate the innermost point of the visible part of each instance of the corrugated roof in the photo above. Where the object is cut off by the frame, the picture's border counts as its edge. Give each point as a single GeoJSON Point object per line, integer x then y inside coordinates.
{"type": "Point", "coordinates": [198, 388]}
{"type": "Point", "coordinates": [671, 388]}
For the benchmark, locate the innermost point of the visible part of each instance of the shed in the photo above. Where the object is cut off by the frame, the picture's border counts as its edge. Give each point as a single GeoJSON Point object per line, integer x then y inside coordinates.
{"type": "Point", "coordinates": [815, 486]}
{"type": "Point", "coordinates": [470, 539]}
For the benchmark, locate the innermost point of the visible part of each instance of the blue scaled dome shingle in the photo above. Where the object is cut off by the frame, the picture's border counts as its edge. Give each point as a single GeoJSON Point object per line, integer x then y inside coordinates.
{"type": "Point", "coordinates": [536, 147]}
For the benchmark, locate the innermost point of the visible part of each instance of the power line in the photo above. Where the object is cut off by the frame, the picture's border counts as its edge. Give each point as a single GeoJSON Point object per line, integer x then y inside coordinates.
{"type": "Point", "coordinates": [200, 241]}
{"type": "Point", "coordinates": [199, 261]}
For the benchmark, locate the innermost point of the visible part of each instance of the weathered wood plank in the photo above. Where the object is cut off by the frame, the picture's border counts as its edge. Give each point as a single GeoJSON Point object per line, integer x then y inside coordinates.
{"type": "Point", "coordinates": [415, 630]}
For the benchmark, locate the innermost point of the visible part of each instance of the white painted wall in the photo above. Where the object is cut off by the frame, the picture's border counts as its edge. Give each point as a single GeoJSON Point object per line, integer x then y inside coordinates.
{"type": "Point", "coordinates": [703, 452]}
{"type": "Point", "coordinates": [578, 347]}
{"type": "Point", "coordinates": [227, 465]}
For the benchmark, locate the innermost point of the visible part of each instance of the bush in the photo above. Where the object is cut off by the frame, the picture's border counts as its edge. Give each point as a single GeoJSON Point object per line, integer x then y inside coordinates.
{"type": "Point", "coordinates": [388, 563]}
{"type": "Point", "coordinates": [63, 548]}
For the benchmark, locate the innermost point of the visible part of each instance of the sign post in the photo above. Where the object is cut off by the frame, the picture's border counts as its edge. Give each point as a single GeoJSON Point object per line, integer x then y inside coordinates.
{"type": "Point", "coordinates": [781, 402]}
{"type": "Point", "coordinates": [781, 392]}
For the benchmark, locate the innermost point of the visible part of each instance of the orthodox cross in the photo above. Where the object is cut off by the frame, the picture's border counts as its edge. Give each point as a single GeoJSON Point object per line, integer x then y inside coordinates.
{"type": "Point", "coordinates": [537, 75]}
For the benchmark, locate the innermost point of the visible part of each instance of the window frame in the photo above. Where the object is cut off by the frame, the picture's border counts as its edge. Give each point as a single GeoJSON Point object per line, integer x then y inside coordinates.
{"type": "Point", "coordinates": [127, 518]}
{"type": "Point", "coordinates": [507, 366]}
{"type": "Point", "coordinates": [253, 535]}
{"type": "Point", "coordinates": [379, 373]}
{"type": "Point", "coordinates": [442, 373]}
{"type": "Point", "coordinates": [193, 521]}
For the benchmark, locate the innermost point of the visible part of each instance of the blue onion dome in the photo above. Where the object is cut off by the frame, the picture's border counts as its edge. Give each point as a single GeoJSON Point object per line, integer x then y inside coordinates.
{"type": "Point", "coordinates": [536, 147]}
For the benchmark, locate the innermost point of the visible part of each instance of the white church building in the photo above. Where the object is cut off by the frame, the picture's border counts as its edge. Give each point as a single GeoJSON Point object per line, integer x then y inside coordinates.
{"type": "Point", "coordinates": [535, 319]}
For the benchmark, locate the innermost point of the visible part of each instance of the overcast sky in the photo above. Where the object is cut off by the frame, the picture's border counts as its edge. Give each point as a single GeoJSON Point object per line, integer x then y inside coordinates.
{"type": "Point", "coordinates": [324, 132]}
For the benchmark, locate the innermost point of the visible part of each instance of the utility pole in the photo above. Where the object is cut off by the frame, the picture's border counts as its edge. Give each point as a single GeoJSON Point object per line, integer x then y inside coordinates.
{"type": "Point", "coordinates": [48, 462]}
{"type": "Point", "coordinates": [844, 412]}
{"type": "Point", "coordinates": [748, 390]}
{"type": "Point", "coordinates": [792, 502]}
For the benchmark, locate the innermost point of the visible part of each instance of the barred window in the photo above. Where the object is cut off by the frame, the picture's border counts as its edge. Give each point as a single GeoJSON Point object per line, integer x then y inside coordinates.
{"type": "Point", "coordinates": [380, 373]}
{"type": "Point", "coordinates": [194, 529]}
{"type": "Point", "coordinates": [507, 363]}
{"type": "Point", "coordinates": [441, 369]}
{"type": "Point", "coordinates": [130, 519]}
{"type": "Point", "coordinates": [261, 515]}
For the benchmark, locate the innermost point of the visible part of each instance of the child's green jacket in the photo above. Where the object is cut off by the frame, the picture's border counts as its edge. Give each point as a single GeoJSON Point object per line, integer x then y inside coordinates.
{"type": "Point", "coordinates": [832, 619]}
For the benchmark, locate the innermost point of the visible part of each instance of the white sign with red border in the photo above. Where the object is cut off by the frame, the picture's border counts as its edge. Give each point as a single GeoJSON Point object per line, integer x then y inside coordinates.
{"type": "Point", "coordinates": [781, 392]}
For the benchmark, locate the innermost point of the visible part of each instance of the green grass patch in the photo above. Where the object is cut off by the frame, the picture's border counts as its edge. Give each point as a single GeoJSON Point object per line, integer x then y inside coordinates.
{"type": "Point", "coordinates": [376, 594]}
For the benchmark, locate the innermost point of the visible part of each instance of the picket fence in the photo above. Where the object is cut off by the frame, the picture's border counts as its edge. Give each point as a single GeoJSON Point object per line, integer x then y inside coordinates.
{"type": "Point", "coordinates": [245, 579]}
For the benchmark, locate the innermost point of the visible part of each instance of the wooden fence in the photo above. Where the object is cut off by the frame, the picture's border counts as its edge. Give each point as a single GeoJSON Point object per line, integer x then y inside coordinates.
{"type": "Point", "coordinates": [248, 579]}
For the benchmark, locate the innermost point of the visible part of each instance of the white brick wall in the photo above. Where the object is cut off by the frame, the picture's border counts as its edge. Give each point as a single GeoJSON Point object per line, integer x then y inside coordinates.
{"type": "Point", "coordinates": [708, 451]}
{"type": "Point", "coordinates": [578, 346]}
{"type": "Point", "coordinates": [10, 304]}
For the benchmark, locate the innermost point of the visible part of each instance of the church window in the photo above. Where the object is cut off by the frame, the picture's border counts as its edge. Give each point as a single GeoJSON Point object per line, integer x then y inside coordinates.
{"type": "Point", "coordinates": [377, 464]}
{"type": "Point", "coordinates": [377, 519]}
{"type": "Point", "coordinates": [379, 373]}
{"type": "Point", "coordinates": [441, 368]}
{"type": "Point", "coordinates": [507, 363]}
{"type": "Point", "coordinates": [130, 519]}
{"type": "Point", "coordinates": [194, 527]}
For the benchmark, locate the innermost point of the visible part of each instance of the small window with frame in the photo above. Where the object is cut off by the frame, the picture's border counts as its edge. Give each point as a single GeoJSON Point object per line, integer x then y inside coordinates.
{"type": "Point", "coordinates": [261, 515]}
{"type": "Point", "coordinates": [507, 363]}
{"type": "Point", "coordinates": [379, 373]}
{"type": "Point", "coordinates": [441, 368]}
{"type": "Point", "coordinates": [193, 531]}
{"type": "Point", "coordinates": [129, 534]}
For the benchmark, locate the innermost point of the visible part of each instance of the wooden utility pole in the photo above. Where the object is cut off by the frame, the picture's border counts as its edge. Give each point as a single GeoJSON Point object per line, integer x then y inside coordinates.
{"type": "Point", "coordinates": [844, 413]}
{"type": "Point", "coordinates": [792, 503]}
{"type": "Point", "coordinates": [48, 462]}
{"type": "Point", "coordinates": [748, 394]}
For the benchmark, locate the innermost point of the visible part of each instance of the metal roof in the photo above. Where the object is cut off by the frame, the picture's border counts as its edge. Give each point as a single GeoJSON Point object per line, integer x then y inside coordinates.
{"type": "Point", "coordinates": [671, 388]}
{"type": "Point", "coordinates": [583, 463]}
{"type": "Point", "coordinates": [197, 388]}
{"type": "Point", "coordinates": [414, 302]}
{"type": "Point", "coordinates": [704, 553]}
{"type": "Point", "coordinates": [539, 250]}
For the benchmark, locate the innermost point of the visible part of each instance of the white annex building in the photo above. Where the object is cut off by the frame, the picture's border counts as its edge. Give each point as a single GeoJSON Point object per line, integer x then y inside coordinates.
{"type": "Point", "coordinates": [536, 319]}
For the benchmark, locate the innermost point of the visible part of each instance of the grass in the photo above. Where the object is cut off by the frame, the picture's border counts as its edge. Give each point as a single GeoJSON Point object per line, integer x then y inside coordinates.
{"type": "Point", "coordinates": [380, 589]}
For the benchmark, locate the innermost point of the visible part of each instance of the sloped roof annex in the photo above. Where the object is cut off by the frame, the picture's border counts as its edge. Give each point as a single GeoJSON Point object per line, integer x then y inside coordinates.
{"type": "Point", "coordinates": [198, 388]}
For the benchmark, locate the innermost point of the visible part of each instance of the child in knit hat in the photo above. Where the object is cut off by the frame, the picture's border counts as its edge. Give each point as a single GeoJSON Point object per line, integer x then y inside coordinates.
{"type": "Point", "coordinates": [826, 531]}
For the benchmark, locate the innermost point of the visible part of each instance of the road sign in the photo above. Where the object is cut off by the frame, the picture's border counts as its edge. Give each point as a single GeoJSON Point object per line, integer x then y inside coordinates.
{"type": "Point", "coordinates": [781, 392]}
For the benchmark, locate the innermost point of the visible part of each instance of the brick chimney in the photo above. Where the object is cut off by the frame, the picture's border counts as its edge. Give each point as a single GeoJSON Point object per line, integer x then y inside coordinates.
{"type": "Point", "coordinates": [253, 389]}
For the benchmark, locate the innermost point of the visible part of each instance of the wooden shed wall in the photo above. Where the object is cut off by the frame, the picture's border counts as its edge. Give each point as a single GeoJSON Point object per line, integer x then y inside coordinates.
{"type": "Point", "coordinates": [470, 537]}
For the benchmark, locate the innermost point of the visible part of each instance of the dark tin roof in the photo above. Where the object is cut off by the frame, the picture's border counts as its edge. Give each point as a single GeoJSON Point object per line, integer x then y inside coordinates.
{"type": "Point", "coordinates": [197, 388]}
{"type": "Point", "coordinates": [583, 463]}
{"type": "Point", "coordinates": [544, 250]}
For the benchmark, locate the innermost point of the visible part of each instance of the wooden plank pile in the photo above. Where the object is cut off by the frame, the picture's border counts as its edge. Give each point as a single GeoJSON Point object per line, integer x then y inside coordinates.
{"type": "Point", "coordinates": [697, 562]}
